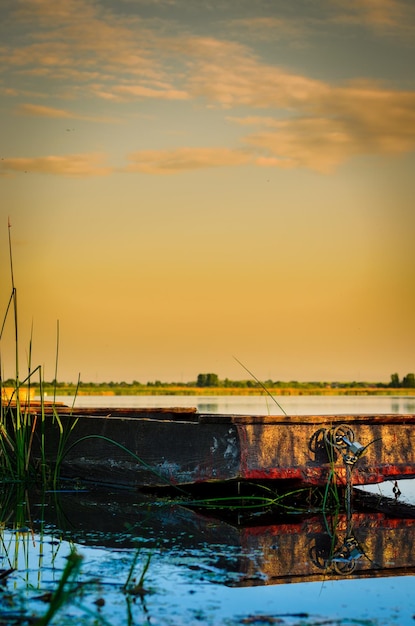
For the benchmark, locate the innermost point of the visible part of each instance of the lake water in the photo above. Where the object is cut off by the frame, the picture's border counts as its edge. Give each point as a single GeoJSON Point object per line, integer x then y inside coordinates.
{"type": "Point", "coordinates": [257, 405]}
{"type": "Point", "coordinates": [210, 569]}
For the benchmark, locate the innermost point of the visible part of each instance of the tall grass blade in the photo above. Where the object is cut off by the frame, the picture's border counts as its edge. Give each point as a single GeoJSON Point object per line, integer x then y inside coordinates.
{"type": "Point", "coordinates": [56, 362]}
{"type": "Point", "coordinates": [260, 384]}
{"type": "Point", "coordinates": [63, 593]}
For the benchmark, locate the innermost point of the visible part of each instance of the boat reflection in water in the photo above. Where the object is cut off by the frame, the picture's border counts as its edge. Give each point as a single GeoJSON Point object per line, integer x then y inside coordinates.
{"type": "Point", "coordinates": [273, 551]}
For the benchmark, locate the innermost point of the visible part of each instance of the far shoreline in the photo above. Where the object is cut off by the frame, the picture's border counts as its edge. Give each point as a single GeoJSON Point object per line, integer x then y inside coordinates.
{"type": "Point", "coordinates": [224, 391]}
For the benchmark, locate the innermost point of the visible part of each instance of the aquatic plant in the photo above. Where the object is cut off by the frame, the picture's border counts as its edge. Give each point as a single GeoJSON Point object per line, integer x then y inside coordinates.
{"type": "Point", "coordinates": [17, 422]}
{"type": "Point", "coordinates": [22, 421]}
{"type": "Point", "coordinates": [25, 546]}
{"type": "Point", "coordinates": [65, 588]}
{"type": "Point", "coordinates": [265, 500]}
{"type": "Point", "coordinates": [261, 385]}
{"type": "Point", "coordinates": [132, 586]}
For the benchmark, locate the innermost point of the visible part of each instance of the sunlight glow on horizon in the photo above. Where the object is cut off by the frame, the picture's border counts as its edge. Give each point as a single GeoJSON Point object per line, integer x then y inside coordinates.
{"type": "Point", "coordinates": [185, 187]}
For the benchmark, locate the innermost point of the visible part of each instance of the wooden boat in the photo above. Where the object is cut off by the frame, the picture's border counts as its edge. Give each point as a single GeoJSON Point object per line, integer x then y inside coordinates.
{"type": "Point", "coordinates": [179, 446]}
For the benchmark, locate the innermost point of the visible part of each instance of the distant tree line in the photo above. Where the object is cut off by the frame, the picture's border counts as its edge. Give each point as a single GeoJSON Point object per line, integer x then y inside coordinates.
{"type": "Point", "coordinates": [207, 380]}
{"type": "Point", "coordinates": [407, 381]}
{"type": "Point", "coordinates": [212, 380]}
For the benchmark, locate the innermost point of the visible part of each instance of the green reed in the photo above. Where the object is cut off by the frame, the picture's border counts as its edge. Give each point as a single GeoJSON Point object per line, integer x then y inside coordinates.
{"type": "Point", "coordinates": [19, 422]}
{"type": "Point", "coordinates": [21, 544]}
{"type": "Point", "coordinates": [132, 586]}
{"type": "Point", "coordinates": [266, 499]}
{"type": "Point", "coordinates": [261, 385]}
{"type": "Point", "coordinates": [22, 425]}
{"type": "Point", "coordinates": [65, 589]}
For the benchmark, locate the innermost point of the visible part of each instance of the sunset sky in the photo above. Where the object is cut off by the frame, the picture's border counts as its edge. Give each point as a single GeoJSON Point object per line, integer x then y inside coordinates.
{"type": "Point", "coordinates": [190, 181]}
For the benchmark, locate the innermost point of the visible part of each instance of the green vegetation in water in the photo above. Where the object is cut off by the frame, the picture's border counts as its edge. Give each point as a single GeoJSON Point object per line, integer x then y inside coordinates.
{"type": "Point", "coordinates": [22, 427]}
{"type": "Point", "coordinates": [65, 588]}
{"type": "Point", "coordinates": [19, 547]}
{"type": "Point", "coordinates": [17, 422]}
{"type": "Point", "coordinates": [264, 501]}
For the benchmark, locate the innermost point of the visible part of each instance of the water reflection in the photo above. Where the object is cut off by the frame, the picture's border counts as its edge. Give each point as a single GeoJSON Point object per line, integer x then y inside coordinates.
{"type": "Point", "coordinates": [116, 531]}
{"type": "Point", "coordinates": [256, 405]}
{"type": "Point", "coordinates": [279, 551]}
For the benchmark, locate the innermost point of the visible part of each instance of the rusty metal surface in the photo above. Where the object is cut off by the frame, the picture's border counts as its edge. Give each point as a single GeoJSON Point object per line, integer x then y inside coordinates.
{"type": "Point", "coordinates": [352, 419]}
{"type": "Point", "coordinates": [298, 450]}
{"type": "Point", "coordinates": [145, 452]}
{"type": "Point", "coordinates": [311, 551]}
{"type": "Point", "coordinates": [178, 446]}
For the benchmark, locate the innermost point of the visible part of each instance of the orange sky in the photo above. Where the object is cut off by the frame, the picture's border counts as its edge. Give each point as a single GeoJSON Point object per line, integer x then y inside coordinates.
{"type": "Point", "coordinates": [188, 183]}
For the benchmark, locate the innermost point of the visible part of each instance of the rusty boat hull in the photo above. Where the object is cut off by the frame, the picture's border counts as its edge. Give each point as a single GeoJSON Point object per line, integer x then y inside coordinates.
{"type": "Point", "coordinates": [179, 446]}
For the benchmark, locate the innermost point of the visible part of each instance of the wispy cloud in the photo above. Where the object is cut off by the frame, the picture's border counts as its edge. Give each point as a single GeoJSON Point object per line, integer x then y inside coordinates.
{"type": "Point", "coordinates": [82, 49]}
{"type": "Point", "coordinates": [242, 80]}
{"type": "Point", "coordinates": [381, 16]}
{"type": "Point", "coordinates": [82, 42]}
{"type": "Point", "coordinates": [185, 159]}
{"type": "Point", "coordinates": [334, 126]}
{"type": "Point", "coordinates": [140, 91]}
{"type": "Point", "coordinates": [73, 165]}
{"type": "Point", "coordinates": [267, 28]}
{"type": "Point", "coordinates": [317, 144]}
{"type": "Point", "coordinates": [36, 110]}
{"type": "Point", "coordinates": [323, 124]}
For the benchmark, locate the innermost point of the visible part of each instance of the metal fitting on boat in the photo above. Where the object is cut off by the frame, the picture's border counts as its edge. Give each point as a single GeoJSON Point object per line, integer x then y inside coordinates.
{"type": "Point", "coordinates": [345, 558]}
{"type": "Point", "coordinates": [349, 551]}
{"type": "Point", "coordinates": [354, 450]}
{"type": "Point", "coordinates": [342, 438]}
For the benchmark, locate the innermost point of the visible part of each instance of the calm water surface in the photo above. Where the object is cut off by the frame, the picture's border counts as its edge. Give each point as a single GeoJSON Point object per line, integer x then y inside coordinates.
{"type": "Point", "coordinates": [257, 405]}
{"type": "Point", "coordinates": [208, 570]}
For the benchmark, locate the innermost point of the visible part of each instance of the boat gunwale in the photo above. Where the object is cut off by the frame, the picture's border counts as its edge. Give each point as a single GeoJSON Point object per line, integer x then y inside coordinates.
{"type": "Point", "coordinates": [191, 415]}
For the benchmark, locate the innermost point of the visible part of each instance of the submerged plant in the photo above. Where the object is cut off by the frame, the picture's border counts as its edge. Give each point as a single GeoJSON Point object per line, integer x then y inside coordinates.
{"type": "Point", "coordinates": [264, 500]}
